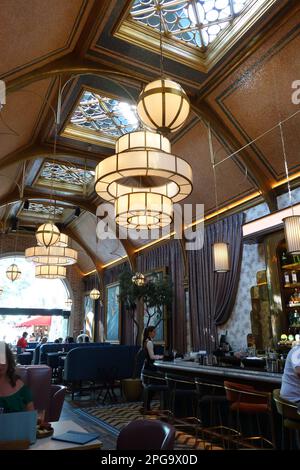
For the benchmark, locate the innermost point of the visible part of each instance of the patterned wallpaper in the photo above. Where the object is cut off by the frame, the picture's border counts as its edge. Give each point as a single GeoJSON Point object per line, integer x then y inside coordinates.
{"type": "Point", "coordinates": [239, 324]}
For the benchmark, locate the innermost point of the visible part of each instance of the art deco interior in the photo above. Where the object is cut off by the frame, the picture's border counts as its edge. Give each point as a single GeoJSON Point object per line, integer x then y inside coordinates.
{"type": "Point", "coordinates": [81, 129]}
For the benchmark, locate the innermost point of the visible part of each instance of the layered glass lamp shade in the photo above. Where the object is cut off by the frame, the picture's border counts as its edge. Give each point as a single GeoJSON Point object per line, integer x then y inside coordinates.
{"type": "Point", "coordinates": [61, 256]}
{"type": "Point", "coordinates": [163, 105]}
{"type": "Point", "coordinates": [50, 271]}
{"type": "Point", "coordinates": [292, 233]}
{"type": "Point", "coordinates": [95, 294]}
{"type": "Point", "coordinates": [138, 279]}
{"type": "Point", "coordinates": [221, 257]}
{"type": "Point", "coordinates": [47, 234]}
{"type": "Point", "coordinates": [143, 210]}
{"type": "Point", "coordinates": [13, 272]}
{"type": "Point", "coordinates": [69, 303]}
{"type": "Point", "coordinates": [172, 175]}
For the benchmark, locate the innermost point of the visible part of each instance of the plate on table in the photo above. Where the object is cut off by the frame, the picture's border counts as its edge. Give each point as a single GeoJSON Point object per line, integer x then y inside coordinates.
{"type": "Point", "coordinates": [44, 430]}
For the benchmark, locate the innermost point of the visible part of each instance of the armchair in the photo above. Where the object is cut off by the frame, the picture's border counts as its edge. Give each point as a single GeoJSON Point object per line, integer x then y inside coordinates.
{"type": "Point", "coordinates": [46, 396]}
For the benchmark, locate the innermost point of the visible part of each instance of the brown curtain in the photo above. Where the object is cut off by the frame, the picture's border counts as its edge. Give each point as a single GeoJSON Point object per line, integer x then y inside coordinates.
{"type": "Point", "coordinates": [212, 295]}
{"type": "Point", "coordinates": [169, 255]}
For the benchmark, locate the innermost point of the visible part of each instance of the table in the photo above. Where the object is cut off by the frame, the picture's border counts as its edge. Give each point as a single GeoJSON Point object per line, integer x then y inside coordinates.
{"type": "Point", "coordinates": [61, 427]}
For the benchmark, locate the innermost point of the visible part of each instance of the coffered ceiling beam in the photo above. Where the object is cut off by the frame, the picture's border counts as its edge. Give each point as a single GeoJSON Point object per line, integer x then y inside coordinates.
{"type": "Point", "coordinates": [205, 112]}
{"type": "Point", "coordinates": [70, 64]}
{"type": "Point", "coordinates": [45, 151]}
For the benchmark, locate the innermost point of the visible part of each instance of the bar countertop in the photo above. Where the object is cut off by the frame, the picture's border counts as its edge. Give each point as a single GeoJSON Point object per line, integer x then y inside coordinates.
{"type": "Point", "coordinates": [180, 365]}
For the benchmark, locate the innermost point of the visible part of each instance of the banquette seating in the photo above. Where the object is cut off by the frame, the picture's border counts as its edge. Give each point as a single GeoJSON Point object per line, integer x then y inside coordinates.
{"type": "Point", "coordinates": [41, 351]}
{"type": "Point", "coordinates": [103, 365]}
{"type": "Point", "coordinates": [46, 396]}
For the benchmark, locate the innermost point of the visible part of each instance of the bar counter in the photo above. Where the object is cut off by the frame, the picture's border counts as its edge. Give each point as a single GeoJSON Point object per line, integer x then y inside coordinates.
{"type": "Point", "coordinates": [216, 374]}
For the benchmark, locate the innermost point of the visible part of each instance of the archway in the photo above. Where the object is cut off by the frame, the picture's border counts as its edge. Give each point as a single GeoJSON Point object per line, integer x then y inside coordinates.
{"type": "Point", "coordinates": [37, 306]}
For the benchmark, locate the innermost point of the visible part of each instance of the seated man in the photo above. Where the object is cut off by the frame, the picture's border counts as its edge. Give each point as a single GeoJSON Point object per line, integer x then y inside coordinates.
{"type": "Point", "coordinates": [22, 342]}
{"type": "Point", "coordinates": [290, 386]}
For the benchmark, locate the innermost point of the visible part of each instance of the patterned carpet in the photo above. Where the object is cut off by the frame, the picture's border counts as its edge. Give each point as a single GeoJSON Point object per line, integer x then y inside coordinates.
{"type": "Point", "coordinates": [114, 417]}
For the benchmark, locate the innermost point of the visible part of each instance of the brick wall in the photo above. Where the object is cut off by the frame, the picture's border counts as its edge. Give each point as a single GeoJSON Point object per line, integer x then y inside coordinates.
{"type": "Point", "coordinates": [74, 280]}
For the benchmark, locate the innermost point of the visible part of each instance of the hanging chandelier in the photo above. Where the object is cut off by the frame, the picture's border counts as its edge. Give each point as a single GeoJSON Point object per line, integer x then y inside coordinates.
{"type": "Point", "coordinates": [95, 294]}
{"type": "Point", "coordinates": [172, 175]}
{"type": "Point", "coordinates": [61, 256]}
{"type": "Point", "coordinates": [13, 272]}
{"type": "Point", "coordinates": [138, 279]}
{"type": "Point", "coordinates": [143, 211]}
{"type": "Point", "coordinates": [50, 271]}
{"type": "Point", "coordinates": [221, 257]}
{"type": "Point", "coordinates": [47, 234]}
{"type": "Point", "coordinates": [292, 234]}
{"type": "Point", "coordinates": [163, 106]}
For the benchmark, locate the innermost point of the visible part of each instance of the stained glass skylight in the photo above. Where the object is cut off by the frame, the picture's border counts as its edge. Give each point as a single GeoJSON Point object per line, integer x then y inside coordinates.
{"type": "Point", "coordinates": [195, 22]}
{"type": "Point", "coordinates": [104, 115]}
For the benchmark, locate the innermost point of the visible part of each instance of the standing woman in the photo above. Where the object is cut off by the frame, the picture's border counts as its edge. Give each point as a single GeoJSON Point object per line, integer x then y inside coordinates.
{"type": "Point", "coordinates": [149, 373]}
{"type": "Point", "coordinates": [14, 394]}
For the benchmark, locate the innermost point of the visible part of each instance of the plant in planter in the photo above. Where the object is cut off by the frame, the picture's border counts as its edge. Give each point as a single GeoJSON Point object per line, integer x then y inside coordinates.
{"type": "Point", "coordinates": [156, 294]}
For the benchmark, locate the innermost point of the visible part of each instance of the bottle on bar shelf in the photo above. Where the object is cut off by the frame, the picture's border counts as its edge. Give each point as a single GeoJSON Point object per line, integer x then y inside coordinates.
{"type": "Point", "coordinates": [286, 277]}
{"type": "Point", "coordinates": [294, 277]}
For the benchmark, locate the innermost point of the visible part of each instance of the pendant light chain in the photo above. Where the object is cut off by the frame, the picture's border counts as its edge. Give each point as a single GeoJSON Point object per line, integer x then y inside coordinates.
{"type": "Point", "coordinates": [159, 8]}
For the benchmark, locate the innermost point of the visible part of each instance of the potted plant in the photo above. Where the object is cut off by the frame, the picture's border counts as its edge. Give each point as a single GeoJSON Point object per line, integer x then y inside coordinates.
{"type": "Point", "coordinates": [156, 294]}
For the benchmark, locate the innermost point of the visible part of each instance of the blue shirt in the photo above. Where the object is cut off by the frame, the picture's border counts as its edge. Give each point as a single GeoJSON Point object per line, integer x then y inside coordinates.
{"type": "Point", "coordinates": [290, 387]}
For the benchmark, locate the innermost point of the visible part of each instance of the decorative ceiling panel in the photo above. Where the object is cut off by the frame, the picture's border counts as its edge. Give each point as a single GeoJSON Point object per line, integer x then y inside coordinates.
{"type": "Point", "coordinates": [65, 176]}
{"type": "Point", "coordinates": [195, 32]}
{"type": "Point", "coordinates": [100, 119]}
{"type": "Point", "coordinates": [42, 211]}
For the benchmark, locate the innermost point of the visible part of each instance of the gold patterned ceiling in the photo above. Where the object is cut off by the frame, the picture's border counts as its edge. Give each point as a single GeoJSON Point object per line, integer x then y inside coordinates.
{"type": "Point", "coordinates": [195, 32]}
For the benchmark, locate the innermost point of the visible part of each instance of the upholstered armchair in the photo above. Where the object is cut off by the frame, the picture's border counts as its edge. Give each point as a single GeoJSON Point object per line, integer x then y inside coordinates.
{"type": "Point", "coordinates": [46, 396]}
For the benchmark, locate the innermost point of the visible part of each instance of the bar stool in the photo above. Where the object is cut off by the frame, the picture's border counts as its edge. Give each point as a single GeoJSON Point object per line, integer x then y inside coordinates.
{"type": "Point", "coordinates": [181, 389]}
{"type": "Point", "coordinates": [290, 419]}
{"type": "Point", "coordinates": [153, 382]}
{"type": "Point", "coordinates": [246, 400]}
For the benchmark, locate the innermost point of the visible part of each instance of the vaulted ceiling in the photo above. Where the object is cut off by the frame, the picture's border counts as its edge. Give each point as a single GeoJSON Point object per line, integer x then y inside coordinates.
{"type": "Point", "coordinates": [240, 90]}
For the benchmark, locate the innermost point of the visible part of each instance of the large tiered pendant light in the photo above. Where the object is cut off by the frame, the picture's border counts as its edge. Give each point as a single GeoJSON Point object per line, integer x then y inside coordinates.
{"type": "Point", "coordinates": [13, 272]}
{"type": "Point", "coordinates": [145, 156]}
{"type": "Point", "coordinates": [95, 294]}
{"type": "Point", "coordinates": [172, 175]}
{"type": "Point", "coordinates": [292, 234]}
{"type": "Point", "coordinates": [163, 106]}
{"type": "Point", "coordinates": [221, 257]}
{"type": "Point", "coordinates": [47, 234]}
{"type": "Point", "coordinates": [138, 279]}
{"type": "Point", "coordinates": [47, 271]}
{"type": "Point", "coordinates": [53, 255]}
{"type": "Point", "coordinates": [292, 222]}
